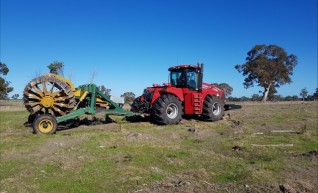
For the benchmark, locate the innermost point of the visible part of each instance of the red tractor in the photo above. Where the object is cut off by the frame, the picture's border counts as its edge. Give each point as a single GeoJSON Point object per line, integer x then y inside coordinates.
{"type": "Point", "coordinates": [186, 94]}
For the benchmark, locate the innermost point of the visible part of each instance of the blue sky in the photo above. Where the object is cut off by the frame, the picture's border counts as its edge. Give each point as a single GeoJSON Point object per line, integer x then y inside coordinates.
{"type": "Point", "coordinates": [130, 44]}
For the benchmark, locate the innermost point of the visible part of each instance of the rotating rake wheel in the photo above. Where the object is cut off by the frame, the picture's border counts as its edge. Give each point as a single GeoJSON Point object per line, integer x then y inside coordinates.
{"type": "Point", "coordinates": [48, 95]}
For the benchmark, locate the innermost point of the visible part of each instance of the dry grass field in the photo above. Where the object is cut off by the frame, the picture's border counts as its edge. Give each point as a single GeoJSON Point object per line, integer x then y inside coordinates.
{"type": "Point", "coordinates": [259, 147]}
{"type": "Point", "coordinates": [11, 105]}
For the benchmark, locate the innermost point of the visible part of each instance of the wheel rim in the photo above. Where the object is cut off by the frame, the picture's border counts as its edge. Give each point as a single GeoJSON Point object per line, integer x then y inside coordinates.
{"type": "Point", "coordinates": [48, 95]}
{"type": "Point", "coordinates": [216, 109]}
{"type": "Point", "coordinates": [45, 126]}
{"type": "Point", "coordinates": [172, 111]}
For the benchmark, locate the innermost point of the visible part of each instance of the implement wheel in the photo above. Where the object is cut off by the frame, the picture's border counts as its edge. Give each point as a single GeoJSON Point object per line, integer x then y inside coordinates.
{"type": "Point", "coordinates": [45, 124]}
{"type": "Point", "coordinates": [48, 95]}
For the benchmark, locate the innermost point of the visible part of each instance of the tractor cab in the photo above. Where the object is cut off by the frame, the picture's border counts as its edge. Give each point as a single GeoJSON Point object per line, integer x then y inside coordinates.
{"type": "Point", "coordinates": [186, 76]}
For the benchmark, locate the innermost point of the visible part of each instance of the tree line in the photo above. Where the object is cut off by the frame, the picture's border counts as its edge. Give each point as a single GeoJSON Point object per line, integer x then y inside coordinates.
{"type": "Point", "coordinates": [268, 66]}
{"type": "Point", "coordinates": [5, 87]}
{"type": "Point", "coordinates": [303, 96]}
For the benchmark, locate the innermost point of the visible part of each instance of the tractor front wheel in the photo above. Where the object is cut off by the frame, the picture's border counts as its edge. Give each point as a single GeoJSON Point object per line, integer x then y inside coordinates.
{"type": "Point", "coordinates": [45, 124]}
{"type": "Point", "coordinates": [167, 110]}
{"type": "Point", "coordinates": [213, 108]}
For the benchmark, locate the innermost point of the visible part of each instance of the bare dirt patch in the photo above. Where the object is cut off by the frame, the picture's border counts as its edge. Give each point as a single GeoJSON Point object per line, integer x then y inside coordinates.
{"type": "Point", "coordinates": [301, 178]}
{"type": "Point", "coordinates": [196, 181]}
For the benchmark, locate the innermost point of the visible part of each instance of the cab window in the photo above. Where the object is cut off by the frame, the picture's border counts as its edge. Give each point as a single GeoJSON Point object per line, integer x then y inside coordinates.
{"type": "Point", "coordinates": [192, 79]}
{"type": "Point", "coordinates": [176, 78]}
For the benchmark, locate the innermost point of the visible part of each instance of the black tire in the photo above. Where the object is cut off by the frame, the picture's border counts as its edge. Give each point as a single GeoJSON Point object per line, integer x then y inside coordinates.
{"type": "Point", "coordinates": [167, 110]}
{"type": "Point", "coordinates": [31, 118]}
{"type": "Point", "coordinates": [45, 124]}
{"type": "Point", "coordinates": [135, 106]}
{"type": "Point", "coordinates": [213, 108]}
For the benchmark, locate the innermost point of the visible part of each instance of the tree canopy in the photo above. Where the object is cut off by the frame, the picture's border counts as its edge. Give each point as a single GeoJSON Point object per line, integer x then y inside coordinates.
{"type": "Point", "coordinates": [129, 97]}
{"type": "Point", "coordinates": [255, 97]}
{"type": "Point", "coordinates": [105, 90]}
{"type": "Point", "coordinates": [314, 96]}
{"type": "Point", "coordinates": [3, 69]}
{"type": "Point", "coordinates": [271, 93]}
{"type": "Point", "coordinates": [225, 87]}
{"type": "Point", "coordinates": [303, 93]}
{"type": "Point", "coordinates": [4, 84]}
{"type": "Point", "coordinates": [56, 67]}
{"type": "Point", "coordinates": [267, 66]}
{"type": "Point", "coordinates": [15, 96]}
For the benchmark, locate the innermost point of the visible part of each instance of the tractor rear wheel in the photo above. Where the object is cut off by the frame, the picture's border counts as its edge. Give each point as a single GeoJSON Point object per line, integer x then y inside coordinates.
{"type": "Point", "coordinates": [135, 106]}
{"type": "Point", "coordinates": [45, 124]}
{"type": "Point", "coordinates": [213, 108]}
{"type": "Point", "coordinates": [167, 110]}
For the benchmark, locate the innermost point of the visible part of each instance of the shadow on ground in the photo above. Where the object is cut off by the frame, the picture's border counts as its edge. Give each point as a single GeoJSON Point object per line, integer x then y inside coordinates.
{"type": "Point", "coordinates": [77, 122]}
{"type": "Point", "coordinates": [232, 107]}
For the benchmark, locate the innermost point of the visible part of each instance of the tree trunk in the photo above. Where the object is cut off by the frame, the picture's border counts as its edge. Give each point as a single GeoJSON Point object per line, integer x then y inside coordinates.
{"type": "Point", "coordinates": [266, 93]}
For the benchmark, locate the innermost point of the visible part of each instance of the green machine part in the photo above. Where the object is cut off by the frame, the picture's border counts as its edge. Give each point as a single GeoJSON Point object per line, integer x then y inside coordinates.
{"type": "Point", "coordinates": [88, 104]}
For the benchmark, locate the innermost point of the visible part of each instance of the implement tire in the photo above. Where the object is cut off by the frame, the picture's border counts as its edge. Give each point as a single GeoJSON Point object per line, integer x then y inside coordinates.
{"type": "Point", "coordinates": [167, 110]}
{"type": "Point", "coordinates": [48, 95]}
{"type": "Point", "coordinates": [213, 108]}
{"type": "Point", "coordinates": [44, 124]}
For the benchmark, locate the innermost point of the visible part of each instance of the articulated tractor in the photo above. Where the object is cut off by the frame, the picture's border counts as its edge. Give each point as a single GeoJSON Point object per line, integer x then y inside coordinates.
{"type": "Point", "coordinates": [186, 94]}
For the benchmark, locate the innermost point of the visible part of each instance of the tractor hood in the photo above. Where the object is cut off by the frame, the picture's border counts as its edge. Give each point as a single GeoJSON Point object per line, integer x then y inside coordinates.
{"type": "Point", "coordinates": [218, 91]}
{"type": "Point", "coordinates": [156, 86]}
{"type": "Point", "coordinates": [211, 86]}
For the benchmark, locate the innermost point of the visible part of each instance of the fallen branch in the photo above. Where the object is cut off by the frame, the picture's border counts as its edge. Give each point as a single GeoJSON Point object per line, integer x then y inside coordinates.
{"type": "Point", "coordinates": [259, 133]}
{"type": "Point", "coordinates": [284, 131]}
{"type": "Point", "coordinates": [207, 183]}
{"type": "Point", "coordinates": [273, 145]}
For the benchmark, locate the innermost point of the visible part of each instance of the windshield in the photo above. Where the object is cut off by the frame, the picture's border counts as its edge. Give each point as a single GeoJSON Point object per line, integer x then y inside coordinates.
{"type": "Point", "coordinates": [184, 78]}
{"type": "Point", "coordinates": [177, 78]}
{"type": "Point", "coordinates": [192, 78]}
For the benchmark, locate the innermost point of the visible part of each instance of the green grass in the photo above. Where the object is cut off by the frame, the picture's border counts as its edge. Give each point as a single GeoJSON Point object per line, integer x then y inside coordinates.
{"type": "Point", "coordinates": [128, 157]}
